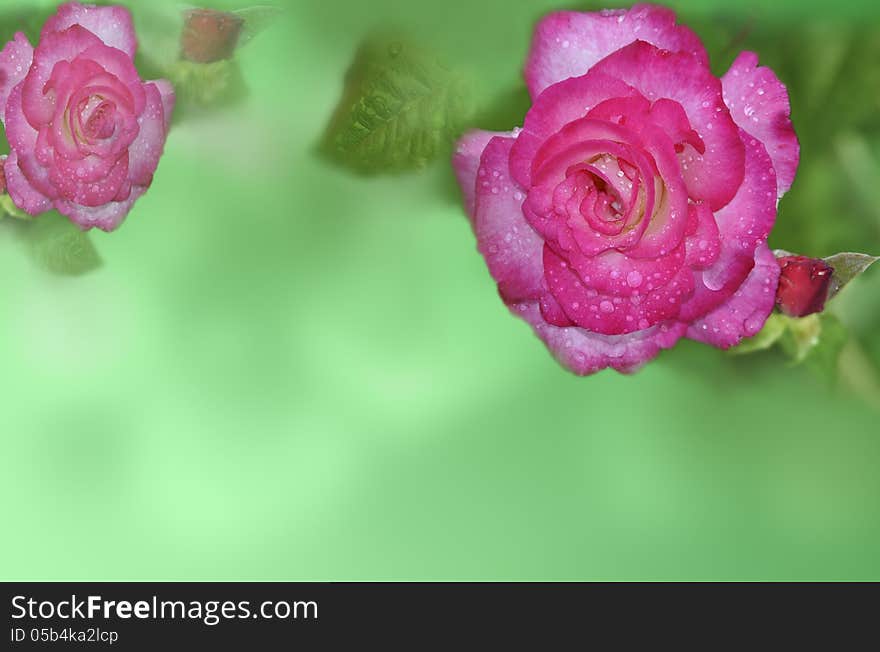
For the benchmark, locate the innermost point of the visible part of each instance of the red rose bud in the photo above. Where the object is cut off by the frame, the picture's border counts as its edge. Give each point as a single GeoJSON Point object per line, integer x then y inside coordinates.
{"type": "Point", "coordinates": [803, 285]}
{"type": "Point", "coordinates": [209, 35]}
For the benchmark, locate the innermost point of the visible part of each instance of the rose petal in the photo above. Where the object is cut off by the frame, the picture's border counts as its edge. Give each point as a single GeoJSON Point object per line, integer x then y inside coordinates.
{"type": "Point", "coordinates": [759, 104]}
{"type": "Point", "coordinates": [145, 151]}
{"type": "Point", "coordinates": [511, 248]}
{"type": "Point", "coordinates": [585, 353]}
{"type": "Point", "coordinates": [53, 47]}
{"type": "Point", "coordinates": [89, 193]}
{"type": "Point", "coordinates": [567, 43]}
{"type": "Point", "coordinates": [715, 175]}
{"type": "Point", "coordinates": [107, 217]}
{"type": "Point", "coordinates": [120, 67]}
{"type": "Point", "coordinates": [466, 162]}
{"type": "Point", "coordinates": [25, 144]}
{"type": "Point", "coordinates": [169, 98]}
{"type": "Point", "coordinates": [743, 225]}
{"type": "Point", "coordinates": [648, 303]}
{"type": "Point", "coordinates": [744, 314]}
{"type": "Point", "coordinates": [704, 243]}
{"type": "Point", "coordinates": [15, 60]}
{"type": "Point", "coordinates": [23, 194]}
{"type": "Point", "coordinates": [113, 25]}
{"type": "Point", "coordinates": [557, 106]}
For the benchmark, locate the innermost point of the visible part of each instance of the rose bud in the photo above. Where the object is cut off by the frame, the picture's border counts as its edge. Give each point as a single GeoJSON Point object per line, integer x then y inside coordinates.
{"type": "Point", "coordinates": [209, 35]}
{"type": "Point", "coordinates": [803, 285]}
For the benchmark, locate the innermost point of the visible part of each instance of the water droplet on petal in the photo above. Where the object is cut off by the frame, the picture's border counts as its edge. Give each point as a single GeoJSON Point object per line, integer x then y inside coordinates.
{"type": "Point", "coordinates": [634, 279]}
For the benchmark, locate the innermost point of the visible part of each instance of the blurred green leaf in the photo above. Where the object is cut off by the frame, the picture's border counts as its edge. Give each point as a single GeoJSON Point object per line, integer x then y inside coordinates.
{"type": "Point", "coordinates": [201, 85]}
{"type": "Point", "coordinates": [823, 358]}
{"type": "Point", "coordinates": [7, 207]}
{"type": "Point", "coordinates": [159, 27]}
{"type": "Point", "coordinates": [256, 19]}
{"type": "Point", "coordinates": [506, 111]}
{"type": "Point", "coordinates": [399, 110]}
{"type": "Point", "coordinates": [862, 170]}
{"type": "Point", "coordinates": [858, 373]}
{"type": "Point", "coordinates": [60, 247]}
{"type": "Point", "coordinates": [816, 340]}
{"type": "Point", "coordinates": [23, 18]}
{"type": "Point", "coordinates": [801, 335]}
{"type": "Point", "coordinates": [774, 328]}
{"type": "Point", "coordinates": [847, 266]}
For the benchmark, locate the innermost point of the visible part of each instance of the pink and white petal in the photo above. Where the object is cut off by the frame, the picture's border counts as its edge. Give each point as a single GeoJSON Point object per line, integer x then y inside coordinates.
{"type": "Point", "coordinates": [19, 133]}
{"type": "Point", "coordinates": [704, 243]}
{"type": "Point", "coordinates": [25, 143]}
{"type": "Point", "coordinates": [584, 353]}
{"type": "Point", "coordinates": [53, 47]}
{"type": "Point", "coordinates": [145, 151]}
{"type": "Point", "coordinates": [552, 312]}
{"type": "Point", "coordinates": [567, 43]}
{"type": "Point", "coordinates": [557, 106]}
{"type": "Point", "coordinates": [23, 194]}
{"type": "Point", "coordinates": [466, 162]}
{"type": "Point", "coordinates": [121, 67]}
{"type": "Point", "coordinates": [112, 24]}
{"type": "Point", "coordinates": [759, 104]}
{"type": "Point", "coordinates": [716, 174]}
{"type": "Point", "coordinates": [743, 225]}
{"type": "Point", "coordinates": [15, 60]}
{"type": "Point", "coordinates": [512, 249]}
{"type": "Point", "coordinates": [666, 228]}
{"type": "Point", "coordinates": [744, 314]}
{"type": "Point", "coordinates": [107, 217]}
{"type": "Point", "coordinates": [615, 274]}
{"type": "Point", "coordinates": [169, 98]}
{"type": "Point", "coordinates": [89, 193]}
{"type": "Point", "coordinates": [609, 314]}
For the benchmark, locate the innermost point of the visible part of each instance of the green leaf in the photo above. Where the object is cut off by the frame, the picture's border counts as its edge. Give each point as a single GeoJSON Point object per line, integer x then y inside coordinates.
{"type": "Point", "coordinates": [7, 207]}
{"type": "Point", "coordinates": [824, 357]}
{"type": "Point", "coordinates": [60, 247]}
{"type": "Point", "coordinates": [774, 328]}
{"type": "Point", "coordinates": [817, 341]}
{"type": "Point", "coordinates": [801, 336]}
{"type": "Point", "coordinates": [399, 110]}
{"type": "Point", "coordinates": [847, 266]}
{"type": "Point", "coordinates": [256, 19]}
{"type": "Point", "coordinates": [200, 85]}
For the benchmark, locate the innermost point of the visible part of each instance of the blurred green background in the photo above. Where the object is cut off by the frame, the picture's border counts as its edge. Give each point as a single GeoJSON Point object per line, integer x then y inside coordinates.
{"type": "Point", "coordinates": [286, 371]}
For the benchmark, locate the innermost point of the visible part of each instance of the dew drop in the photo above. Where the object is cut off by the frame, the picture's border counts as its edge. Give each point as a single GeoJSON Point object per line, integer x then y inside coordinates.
{"type": "Point", "coordinates": [634, 279]}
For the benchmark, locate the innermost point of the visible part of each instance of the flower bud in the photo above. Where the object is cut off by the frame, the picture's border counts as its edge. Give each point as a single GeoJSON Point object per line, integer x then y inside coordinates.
{"type": "Point", "coordinates": [209, 35]}
{"type": "Point", "coordinates": [803, 285]}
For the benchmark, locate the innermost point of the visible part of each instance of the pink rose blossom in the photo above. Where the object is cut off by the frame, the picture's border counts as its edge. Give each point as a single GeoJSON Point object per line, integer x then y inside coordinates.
{"type": "Point", "coordinates": [634, 205]}
{"type": "Point", "coordinates": [85, 132]}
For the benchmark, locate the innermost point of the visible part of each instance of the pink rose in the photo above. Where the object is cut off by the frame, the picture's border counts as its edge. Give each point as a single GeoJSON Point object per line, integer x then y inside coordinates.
{"type": "Point", "coordinates": [633, 206]}
{"type": "Point", "coordinates": [85, 132]}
